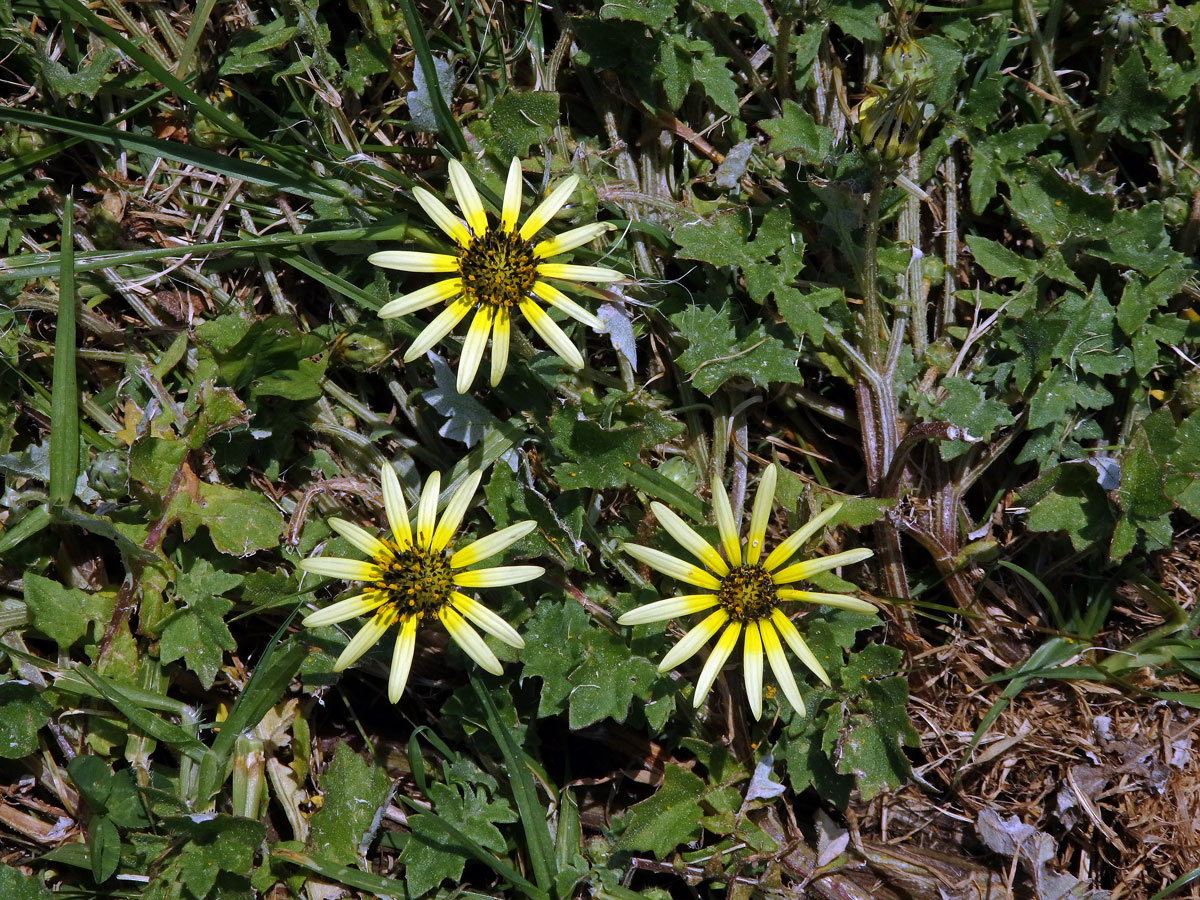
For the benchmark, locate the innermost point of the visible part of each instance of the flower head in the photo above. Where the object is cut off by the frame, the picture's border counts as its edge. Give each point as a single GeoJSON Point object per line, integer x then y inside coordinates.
{"type": "Point", "coordinates": [746, 591]}
{"type": "Point", "coordinates": [494, 271]}
{"type": "Point", "coordinates": [411, 578]}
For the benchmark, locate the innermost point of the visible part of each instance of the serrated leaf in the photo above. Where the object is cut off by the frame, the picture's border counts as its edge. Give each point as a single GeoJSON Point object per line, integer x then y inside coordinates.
{"type": "Point", "coordinates": [519, 119]}
{"type": "Point", "coordinates": [717, 351]}
{"type": "Point", "coordinates": [239, 522]}
{"type": "Point", "coordinates": [797, 130]}
{"type": "Point", "coordinates": [720, 240]}
{"type": "Point", "coordinates": [1131, 104]}
{"type": "Point", "coordinates": [654, 13]}
{"type": "Point", "coordinates": [197, 632]}
{"type": "Point", "coordinates": [62, 613]}
{"type": "Point", "coordinates": [216, 843]}
{"type": "Point", "coordinates": [352, 794]}
{"type": "Point", "coordinates": [999, 261]}
{"type": "Point", "coordinates": [598, 456]}
{"type": "Point", "coordinates": [668, 819]}
{"type": "Point", "coordinates": [23, 712]}
{"type": "Point", "coordinates": [15, 885]}
{"type": "Point", "coordinates": [872, 749]}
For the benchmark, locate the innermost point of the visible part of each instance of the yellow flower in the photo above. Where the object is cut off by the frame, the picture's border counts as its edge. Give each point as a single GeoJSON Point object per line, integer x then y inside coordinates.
{"type": "Point", "coordinates": [747, 593]}
{"type": "Point", "coordinates": [411, 578]}
{"type": "Point", "coordinates": [493, 271]}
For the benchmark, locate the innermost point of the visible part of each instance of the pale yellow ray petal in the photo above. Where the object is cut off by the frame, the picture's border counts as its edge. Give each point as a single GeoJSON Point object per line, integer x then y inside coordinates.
{"type": "Point", "coordinates": [336, 567]}
{"type": "Point", "coordinates": [678, 569]}
{"type": "Point", "coordinates": [788, 548]}
{"type": "Point", "coordinates": [752, 668]}
{"type": "Point", "coordinates": [688, 539]}
{"type": "Point", "coordinates": [498, 576]}
{"type": "Point", "coordinates": [779, 665]}
{"type": "Point", "coordinates": [569, 240]}
{"type": "Point", "coordinates": [414, 261]}
{"type": "Point", "coordinates": [427, 509]}
{"type": "Point", "coordinates": [693, 640]}
{"type": "Point", "coordinates": [368, 636]}
{"type": "Point", "coordinates": [345, 609]}
{"type": "Point", "coordinates": [394, 505]}
{"type": "Point", "coordinates": [468, 638]}
{"type": "Point", "coordinates": [579, 273]}
{"type": "Point", "coordinates": [559, 300]}
{"type": "Point", "coordinates": [438, 328]}
{"type": "Point", "coordinates": [551, 334]}
{"type": "Point", "coordinates": [661, 610]}
{"type": "Point", "coordinates": [402, 656]}
{"type": "Point", "coordinates": [362, 539]}
{"type": "Point", "coordinates": [472, 350]}
{"type": "Point", "coordinates": [841, 601]}
{"type": "Point", "coordinates": [468, 198]}
{"type": "Point", "coordinates": [500, 334]}
{"type": "Point", "coordinates": [546, 210]}
{"type": "Point", "coordinates": [511, 210]}
{"type": "Point", "coordinates": [798, 644]}
{"type": "Point", "coordinates": [487, 620]}
{"type": "Point", "coordinates": [716, 660]}
{"type": "Point", "coordinates": [764, 500]}
{"type": "Point", "coordinates": [442, 217]}
{"type": "Point", "coordinates": [809, 567]}
{"type": "Point", "coordinates": [421, 299]}
{"type": "Point", "coordinates": [456, 508]}
{"type": "Point", "coordinates": [490, 545]}
{"type": "Point", "coordinates": [725, 524]}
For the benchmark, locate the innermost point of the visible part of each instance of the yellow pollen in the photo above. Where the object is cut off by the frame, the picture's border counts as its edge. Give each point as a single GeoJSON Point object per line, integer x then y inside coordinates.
{"type": "Point", "coordinates": [498, 269]}
{"type": "Point", "coordinates": [418, 581]}
{"type": "Point", "coordinates": [747, 593]}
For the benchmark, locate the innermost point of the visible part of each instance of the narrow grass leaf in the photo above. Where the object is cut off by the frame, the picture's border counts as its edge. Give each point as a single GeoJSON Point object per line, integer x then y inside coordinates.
{"type": "Point", "coordinates": [64, 396]}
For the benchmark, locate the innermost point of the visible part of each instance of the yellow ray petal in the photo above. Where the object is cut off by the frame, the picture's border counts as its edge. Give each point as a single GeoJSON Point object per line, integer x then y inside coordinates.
{"type": "Point", "coordinates": [368, 636]}
{"type": "Point", "coordinates": [497, 576]}
{"type": "Point", "coordinates": [500, 334]}
{"type": "Point", "coordinates": [362, 539]}
{"type": "Point", "coordinates": [447, 289]}
{"type": "Point", "coordinates": [452, 515]}
{"type": "Point", "coordinates": [559, 300]}
{"type": "Point", "coordinates": [688, 539]}
{"type": "Point", "coordinates": [427, 509]}
{"type": "Point", "coordinates": [394, 505]}
{"type": "Point", "coordinates": [479, 550]}
{"type": "Point", "coordinates": [438, 328]}
{"type": "Point", "coordinates": [442, 217]}
{"type": "Point", "coordinates": [349, 608]}
{"type": "Point", "coordinates": [779, 665]}
{"type": "Point", "coordinates": [336, 567]}
{"type": "Point", "coordinates": [579, 273]}
{"type": "Point", "coordinates": [716, 660]}
{"type": "Point", "coordinates": [725, 524]}
{"type": "Point", "coordinates": [798, 644]}
{"type": "Point", "coordinates": [468, 198]}
{"type": "Point", "coordinates": [414, 261]}
{"type": "Point", "coordinates": [487, 620]}
{"type": "Point", "coordinates": [569, 240]}
{"type": "Point", "coordinates": [752, 668]}
{"type": "Point", "coordinates": [678, 569]}
{"type": "Point", "coordinates": [661, 610]}
{"type": "Point", "coordinates": [693, 640]}
{"type": "Point", "coordinates": [468, 638]}
{"type": "Point", "coordinates": [551, 334]}
{"type": "Point", "coordinates": [841, 601]}
{"type": "Point", "coordinates": [402, 656]}
{"type": "Point", "coordinates": [511, 210]}
{"type": "Point", "coordinates": [788, 548]}
{"type": "Point", "coordinates": [809, 567]}
{"type": "Point", "coordinates": [761, 515]}
{"type": "Point", "coordinates": [472, 351]}
{"type": "Point", "coordinates": [546, 210]}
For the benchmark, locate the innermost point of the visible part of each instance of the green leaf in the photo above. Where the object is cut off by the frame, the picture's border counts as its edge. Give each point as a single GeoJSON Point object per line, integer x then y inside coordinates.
{"type": "Point", "coordinates": [967, 407]}
{"type": "Point", "coordinates": [1077, 506]}
{"type": "Point", "coordinates": [872, 749]}
{"type": "Point", "coordinates": [1056, 209]}
{"type": "Point", "coordinates": [710, 71]}
{"type": "Point", "coordinates": [999, 261]}
{"type": "Point", "coordinates": [64, 407]}
{"type": "Point", "coordinates": [720, 240]}
{"type": "Point", "coordinates": [797, 130]}
{"type": "Point", "coordinates": [215, 844]}
{"type": "Point", "coordinates": [1141, 493]}
{"type": "Point", "coordinates": [239, 522]}
{"type": "Point", "coordinates": [23, 712]}
{"type": "Point", "coordinates": [668, 819]}
{"type": "Point", "coordinates": [553, 648]}
{"type": "Point", "coordinates": [858, 18]}
{"type": "Point", "coordinates": [63, 613]}
{"type": "Point", "coordinates": [15, 885]}
{"type": "Point", "coordinates": [1132, 104]}
{"type": "Point", "coordinates": [717, 351]}
{"type": "Point", "coordinates": [599, 456]}
{"type": "Point", "coordinates": [197, 633]}
{"type": "Point", "coordinates": [64, 83]}
{"type": "Point", "coordinates": [520, 119]}
{"type": "Point", "coordinates": [655, 13]}
{"type": "Point", "coordinates": [353, 792]}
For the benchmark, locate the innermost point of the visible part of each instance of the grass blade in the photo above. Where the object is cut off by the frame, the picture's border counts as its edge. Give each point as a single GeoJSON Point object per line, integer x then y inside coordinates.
{"type": "Point", "coordinates": [447, 126]}
{"type": "Point", "coordinates": [64, 392]}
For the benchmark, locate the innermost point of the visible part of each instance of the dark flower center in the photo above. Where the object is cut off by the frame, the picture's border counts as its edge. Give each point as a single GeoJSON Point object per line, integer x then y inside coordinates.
{"type": "Point", "coordinates": [747, 593]}
{"type": "Point", "coordinates": [498, 268]}
{"type": "Point", "coordinates": [415, 581]}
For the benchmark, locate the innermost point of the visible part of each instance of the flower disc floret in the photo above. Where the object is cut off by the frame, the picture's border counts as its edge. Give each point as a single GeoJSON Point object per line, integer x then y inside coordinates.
{"type": "Point", "coordinates": [497, 269]}
{"type": "Point", "coordinates": [414, 576]}
{"type": "Point", "coordinates": [747, 594]}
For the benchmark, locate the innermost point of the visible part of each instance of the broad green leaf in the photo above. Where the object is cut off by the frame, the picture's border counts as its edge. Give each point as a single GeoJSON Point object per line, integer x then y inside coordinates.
{"type": "Point", "coordinates": [796, 130]}
{"type": "Point", "coordinates": [216, 843]}
{"type": "Point", "coordinates": [719, 351]}
{"type": "Point", "coordinates": [239, 522]}
{"type": "Point", "coordinates": [23, 712]}
{"type": "Point", "coordinates": [61, 613]}
{"type": "Point", "coordinates": [668, 819]}
{"type": "Point", "coordinates": [352, 793]}
{"type": "Point", "coordinates": [520, 119]}
{"type": "Point", "coordinates": [197, 632]}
